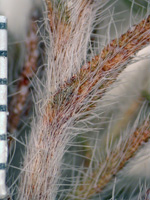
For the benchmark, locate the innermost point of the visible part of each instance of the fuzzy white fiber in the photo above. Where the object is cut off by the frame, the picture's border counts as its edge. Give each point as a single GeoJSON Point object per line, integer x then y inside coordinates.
{"type": "Point", "coordinates": [66, 52]}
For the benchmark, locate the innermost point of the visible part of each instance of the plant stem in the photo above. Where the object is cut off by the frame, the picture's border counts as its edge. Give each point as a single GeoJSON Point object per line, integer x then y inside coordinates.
{"type": "Point", "coordinates": [114, 163]}
{"type": "Point", "coordinates": [77, 95]}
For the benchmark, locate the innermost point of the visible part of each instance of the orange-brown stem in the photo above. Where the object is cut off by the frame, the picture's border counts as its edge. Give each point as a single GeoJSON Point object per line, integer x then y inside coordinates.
{"type": "Point", "coordinates": [115, 162]}
{"type": "Point", "coordinates": [106, 66]}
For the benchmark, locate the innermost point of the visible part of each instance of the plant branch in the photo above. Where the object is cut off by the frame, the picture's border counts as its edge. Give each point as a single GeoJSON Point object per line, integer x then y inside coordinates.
{"type": "Point", "coordinates": [49, 134]}
{"type": "Point", "coordinates": [114, 162]}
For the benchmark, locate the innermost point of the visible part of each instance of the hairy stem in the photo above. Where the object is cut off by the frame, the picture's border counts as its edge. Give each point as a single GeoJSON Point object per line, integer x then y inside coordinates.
{"type": "Point", "coordinates": [114, 162]}
{"type": "Point", "coordinates": [49, 134]}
